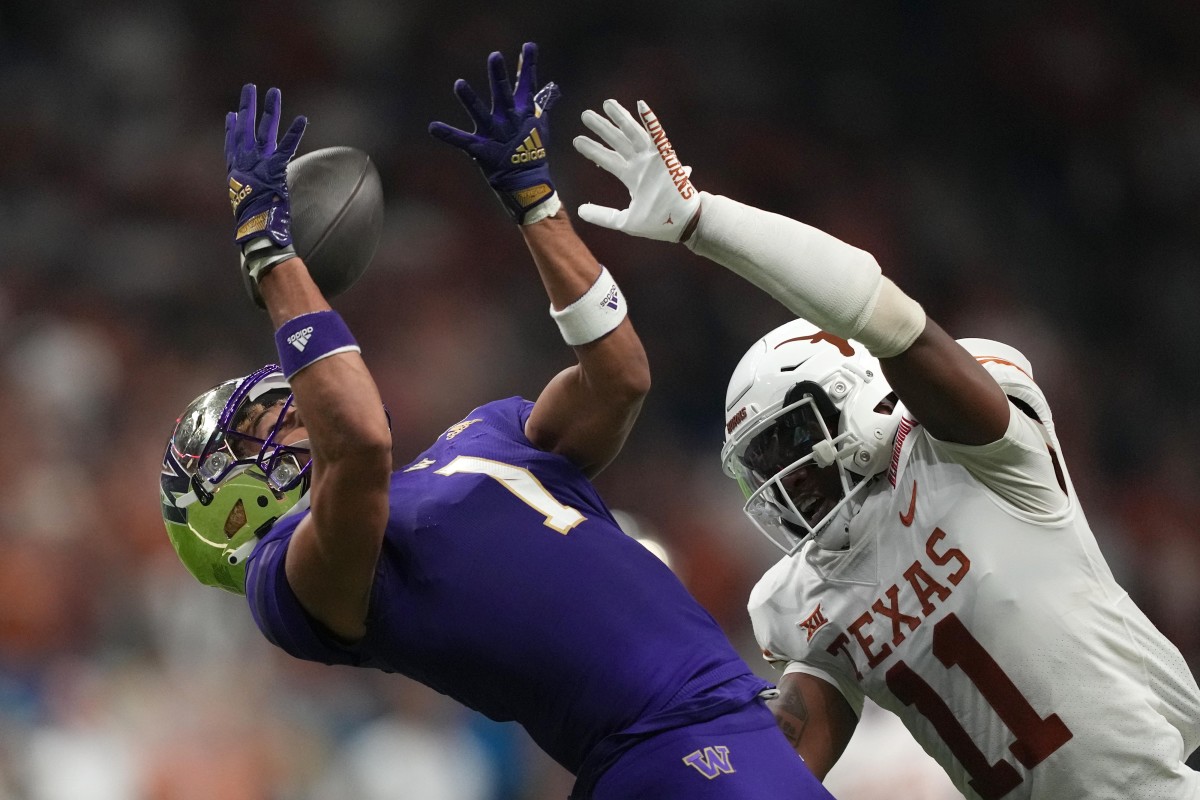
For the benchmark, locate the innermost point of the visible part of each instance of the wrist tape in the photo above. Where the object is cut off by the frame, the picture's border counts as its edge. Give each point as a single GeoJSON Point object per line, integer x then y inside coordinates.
{"type": "Point", "coordinates": [895, 323]}
{"type": "Point", "coordinates": [833, 285]}
{"type": "Point", "coordinates": [260, 256]}
{"type": "Point", "coordinates": [547, 208]}
{"type": "Point", "coordinates": [597, 312]}
{"type": "Point", "coordinates": [308, 338]}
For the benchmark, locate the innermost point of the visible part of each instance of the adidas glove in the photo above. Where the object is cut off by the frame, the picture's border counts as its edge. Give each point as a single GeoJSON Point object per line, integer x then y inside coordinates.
{"type": "Point", "coordinates": [258, 189]}
{"type": "Point", "coordinates": [662, 199]}
{"type": "Point", "coordinates": [510, 142]}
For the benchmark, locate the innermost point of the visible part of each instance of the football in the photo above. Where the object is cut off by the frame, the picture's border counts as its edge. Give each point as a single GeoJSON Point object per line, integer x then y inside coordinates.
{"type": "Point", "coordinates": [337, 214]}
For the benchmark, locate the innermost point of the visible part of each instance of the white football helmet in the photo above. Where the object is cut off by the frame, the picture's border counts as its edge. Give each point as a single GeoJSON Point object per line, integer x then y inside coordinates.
{"type": "Point", "coordinates": [809, 419]}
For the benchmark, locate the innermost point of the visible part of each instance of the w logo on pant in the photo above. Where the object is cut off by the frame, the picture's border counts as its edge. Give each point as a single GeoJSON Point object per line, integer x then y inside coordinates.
{"type": "Point", "coordinates": [711, 761]}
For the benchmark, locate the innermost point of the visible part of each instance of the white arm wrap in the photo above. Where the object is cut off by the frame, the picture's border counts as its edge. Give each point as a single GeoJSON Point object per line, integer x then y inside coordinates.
{"type": "Point", "coordinates": [817, 276]}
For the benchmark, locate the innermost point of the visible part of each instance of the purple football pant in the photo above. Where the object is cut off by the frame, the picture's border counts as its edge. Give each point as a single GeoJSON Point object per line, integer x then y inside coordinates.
{"type": "Point", "coordinates": [740, 756]}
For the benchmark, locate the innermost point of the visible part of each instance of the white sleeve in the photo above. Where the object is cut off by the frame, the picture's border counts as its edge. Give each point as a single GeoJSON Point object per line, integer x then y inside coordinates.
{"type": "Point", "coordinates": [1017, 466]}
{"type": "Point", "coordinates": [833, 285]}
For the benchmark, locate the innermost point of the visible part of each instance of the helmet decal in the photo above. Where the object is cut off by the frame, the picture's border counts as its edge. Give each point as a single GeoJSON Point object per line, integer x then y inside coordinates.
{"type": "Point", "coordinates": [843, 346]}
{"type": "Point", "coordinates": [173, 483]}
{"type": "Point", "coordinates": [735, 420]}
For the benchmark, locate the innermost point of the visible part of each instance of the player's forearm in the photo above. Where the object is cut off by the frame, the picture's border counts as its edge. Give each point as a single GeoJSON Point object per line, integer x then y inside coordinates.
{"type": "Point", "coordinates": [566, 266]}
{"type": "Point", "coordinates": [824, 280]}
{"type": "Point", "coordinates": [588, 410]}
{"type": "Point", "coordinates": [815, 719]}
{"type": "Point", "coordinates": [336, 397]}
{"type": "Point", "coordinates": [613, 368]}
{"type": "Point", "coordinates": [817, 276]}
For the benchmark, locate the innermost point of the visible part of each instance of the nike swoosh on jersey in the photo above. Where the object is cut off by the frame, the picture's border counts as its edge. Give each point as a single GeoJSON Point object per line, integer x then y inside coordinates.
{"type": "Point", "coordinates": [906, 518]}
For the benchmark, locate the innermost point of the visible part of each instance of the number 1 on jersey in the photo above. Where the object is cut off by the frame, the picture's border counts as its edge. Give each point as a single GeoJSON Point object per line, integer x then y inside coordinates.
{"type": "Point", "coordinates": [523, 484]}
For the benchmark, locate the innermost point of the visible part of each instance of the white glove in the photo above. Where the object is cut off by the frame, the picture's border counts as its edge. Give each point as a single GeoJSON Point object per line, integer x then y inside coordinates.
{"type": "Point", "coordinates": [662, 199]}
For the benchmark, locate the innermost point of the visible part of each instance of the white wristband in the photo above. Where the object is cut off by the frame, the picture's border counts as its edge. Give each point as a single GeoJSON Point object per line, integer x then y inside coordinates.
{"type": "Point", "coordinates": [597, 312]}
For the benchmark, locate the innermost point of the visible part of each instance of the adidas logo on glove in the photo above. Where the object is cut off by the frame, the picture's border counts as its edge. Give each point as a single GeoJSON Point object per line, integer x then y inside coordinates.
{"type": "Point", "coordinates": [237, 193]}
{"type": "Point", "coordinates": [531, 149]}
{"type": "Point", "coordinates": [299, 339]}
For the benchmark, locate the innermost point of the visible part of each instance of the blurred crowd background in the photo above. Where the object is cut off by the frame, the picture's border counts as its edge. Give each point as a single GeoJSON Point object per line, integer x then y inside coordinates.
{"type": "Point", "coordinates": [1029, 171]}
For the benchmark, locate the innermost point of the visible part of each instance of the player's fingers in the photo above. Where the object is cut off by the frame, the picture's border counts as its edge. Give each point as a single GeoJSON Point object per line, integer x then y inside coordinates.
{"type": "Point", "coordinates": [613, 137]}
{"type": "Point", "coordinates": [526, 73]}
{"type": "Point", "coordinates": [602, 216]}
{"type": "Point", "coordinates": [502, 98]}
{"type": "Point", "coordinates": [629, 126]}
{"type": "Point", "coordinates": [243, 136]}
{"type": "Point", "coordinates": [230, 127]}
{"type": "Point", "coordinates": [451, 136]}
{"type": "Point", "coordinates": [474, 106]}
{"type": "Point", "coordinates": [291, 138]}
{"type": "Point", "coordinates": [268, 126]}
{"type": "Point", "coordinates": [651, 121]}
{"type": "Point", "coordinates": [600, 155]}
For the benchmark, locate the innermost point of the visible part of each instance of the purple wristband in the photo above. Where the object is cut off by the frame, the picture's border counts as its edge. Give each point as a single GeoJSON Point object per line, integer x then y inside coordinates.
{"type": "Point", "coordinates": [310, 337]}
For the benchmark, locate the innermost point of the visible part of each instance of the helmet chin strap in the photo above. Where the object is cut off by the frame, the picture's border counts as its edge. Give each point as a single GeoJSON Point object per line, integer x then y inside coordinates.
{"type": "Point", "coordinates": [242, 553]}
{"type": "Point", "coordinates": [203, 489]}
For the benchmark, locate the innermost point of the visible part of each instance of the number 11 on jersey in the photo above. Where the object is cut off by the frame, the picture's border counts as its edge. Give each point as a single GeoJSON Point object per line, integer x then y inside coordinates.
{"type": "Point", "coordinates": [1037, 737]}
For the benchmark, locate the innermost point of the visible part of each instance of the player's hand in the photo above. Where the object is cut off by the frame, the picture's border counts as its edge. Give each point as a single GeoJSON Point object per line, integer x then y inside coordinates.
{"type": "Point", "coordinates": [662, 200]}
{"type": "Point", "coordinates": [258, 191]}
{"type": "Point", "coordinates": [257, 168]}
{"type": "Point", "coordinates": [511, 140]}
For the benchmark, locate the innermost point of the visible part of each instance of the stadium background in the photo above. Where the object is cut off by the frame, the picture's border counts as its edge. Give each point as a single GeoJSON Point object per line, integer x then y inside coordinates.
{"type": "Point", "coordinates": [1030, 171]}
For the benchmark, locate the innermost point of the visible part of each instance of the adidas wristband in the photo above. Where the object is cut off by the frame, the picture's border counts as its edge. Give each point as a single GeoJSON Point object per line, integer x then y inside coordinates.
{"type": "Point", "coordinates": [308, 338]}
{"type": "Point", "coordinates": [596, 313]}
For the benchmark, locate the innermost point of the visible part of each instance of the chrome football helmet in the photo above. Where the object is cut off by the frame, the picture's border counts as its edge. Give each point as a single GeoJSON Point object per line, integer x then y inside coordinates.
{"type": "Point", "coordinates": [222, 488]}
{"type": "Point", "coordinates": [809, 420]}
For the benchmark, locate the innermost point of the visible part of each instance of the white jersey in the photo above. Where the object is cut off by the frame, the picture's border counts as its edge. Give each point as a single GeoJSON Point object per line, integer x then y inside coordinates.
{"type": "Point", "coordinates": [974, 603]}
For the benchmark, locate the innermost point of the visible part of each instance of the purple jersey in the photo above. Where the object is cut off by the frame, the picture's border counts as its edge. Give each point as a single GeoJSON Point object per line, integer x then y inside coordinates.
{"type": "Point", "coordinates": [505, 583]}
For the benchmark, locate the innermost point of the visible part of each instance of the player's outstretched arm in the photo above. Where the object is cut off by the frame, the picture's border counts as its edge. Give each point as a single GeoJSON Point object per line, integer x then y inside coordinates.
{"type": "Point", "coordinates": [818, 277]}
{"type": "Point", "coordinates": [586, 411]}
{"type": "Point", "coordinates": [331, 559]}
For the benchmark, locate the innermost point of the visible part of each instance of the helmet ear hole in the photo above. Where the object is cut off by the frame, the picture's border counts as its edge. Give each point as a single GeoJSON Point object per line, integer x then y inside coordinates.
{"type": "Point", "coordinates": [236, 519]}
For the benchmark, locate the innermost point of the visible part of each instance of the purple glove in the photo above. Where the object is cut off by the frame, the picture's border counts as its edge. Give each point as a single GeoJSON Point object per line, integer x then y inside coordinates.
{"type": "Point", "coordinates": [510, 141]}
{"type": "Point", "coordinates": [257, 168]}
